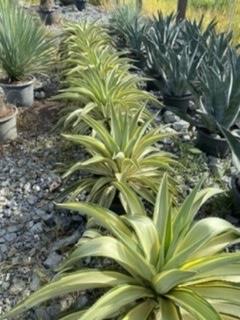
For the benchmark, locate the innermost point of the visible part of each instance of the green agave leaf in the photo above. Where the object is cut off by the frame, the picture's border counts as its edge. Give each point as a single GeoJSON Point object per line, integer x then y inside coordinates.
{"type": "Point", "coordinates": [200, 233]}
{"type": "Point", "coordinates": [104, 217]}
{"type": "Point", "coordinates": [141, 311]}
{"type": "Point", "coordinates": [162, 219]}
{"type": "Point", "coordinates": [194, 304]}
{"type": "Point", "coordinates": [147, 236]}
{"type": "Point", "coordinates": [74, 316]}
{"type": "Point", "coordinates": [167, 280]}
{"type": "Point", "coordinates": [114, 300]}
{"type": "Point", "coordinates": [90, 143]}
{"type": "Point", "coordinates": [167, 310]}
{"type": "Point", "coordinates": [219, 290]}
{"type": "Point", "coordinates": [109, 247]}
{"type": "Point", "coordinates": [131, 203]}
{"type": "Point", "coordinates": [80, 280]}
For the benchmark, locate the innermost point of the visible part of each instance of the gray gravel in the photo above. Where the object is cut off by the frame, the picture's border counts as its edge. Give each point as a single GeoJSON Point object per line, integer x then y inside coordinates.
{"type": "Point", "coordinates": [33, 234]}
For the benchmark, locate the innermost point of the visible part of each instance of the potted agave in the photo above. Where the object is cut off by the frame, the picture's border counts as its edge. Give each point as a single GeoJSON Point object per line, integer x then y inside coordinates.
{"type": "Point", "coordinates": [173, 71]}
{"type": "Point", "coordinates": [8, 115]}
{"type": "Point", "coordinates": [26, 49]}
{"type": "Point", "coordinates": [47, 12]}
{"type": "Point", "coordinates": [219, 106]}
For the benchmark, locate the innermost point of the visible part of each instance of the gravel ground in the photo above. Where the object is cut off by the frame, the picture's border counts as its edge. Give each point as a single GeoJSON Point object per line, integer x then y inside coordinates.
{"type": "Point", "coordinates": [32, 231]}
{"type": "Point", "coordinates": [34, 236]}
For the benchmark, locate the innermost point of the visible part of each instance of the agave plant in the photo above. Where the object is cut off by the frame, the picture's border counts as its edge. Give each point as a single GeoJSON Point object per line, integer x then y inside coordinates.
{"type": "Point", "coordinates": [175, 70]}
{"type": "Point", "coordinates": [163, 34]}
{"type": "Point", "coordinates": [26, 48]}
{"type": "Point", "coordinates": [173, 267]}
{"type": "Point", "coordinates": [98, 93]}
{"type": "Point", "coordinates": [124, 153]}
{"type": "Point", "coordinates": [220, 100]}
{"type": "Point", "coordinates": [120, 19]}
{"type": "Point", "coordinates": [135, 34]}
{"type": "Point", "coordinates": [95, 78]}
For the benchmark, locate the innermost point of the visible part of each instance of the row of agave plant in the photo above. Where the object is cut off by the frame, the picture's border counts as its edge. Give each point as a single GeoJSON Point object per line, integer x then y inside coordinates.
{"type": "Point", "coordinates": [165, 263]}
{"type": "Point", "coordinates": [187, 61]}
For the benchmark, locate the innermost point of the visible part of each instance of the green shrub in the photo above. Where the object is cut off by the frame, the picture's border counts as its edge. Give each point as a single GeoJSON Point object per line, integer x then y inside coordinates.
{"type": "Point", "coordinates": [26, 48]}
{"type": "Point", "coordinates": [123, 159]}
{"type": "Point", "coordinates": [172, 267]}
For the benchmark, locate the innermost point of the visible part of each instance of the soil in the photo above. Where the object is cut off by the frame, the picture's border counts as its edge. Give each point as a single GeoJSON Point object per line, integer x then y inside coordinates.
{"type": "Point", "coordinates": [8, 81]}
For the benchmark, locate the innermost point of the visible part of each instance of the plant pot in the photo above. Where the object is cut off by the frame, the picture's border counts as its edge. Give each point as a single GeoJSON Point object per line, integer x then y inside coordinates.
{"type": "Point", "coordinates": [80, 4]}
{"type": "Point", "coordinates": [235, 184]}
{"type": "Point", "coordinates": [48, 17]}
{"type": "Point", "coordinates": [216, 147]}
{"type": "Point", "coordinates": [8, 127]}
{"type": "Point", "coordinates": [182, 103]}
{"type": "Point", "coordinates": [19, 94]}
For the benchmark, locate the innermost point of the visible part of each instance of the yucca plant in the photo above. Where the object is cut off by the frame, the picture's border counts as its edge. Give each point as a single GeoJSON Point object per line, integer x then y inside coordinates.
{"type": "Point", "coordinates": [124, 158]}
{"type": "Point", "coordinates": [172, 267]}
{"type": "Point", "coordinates": [26, 48]}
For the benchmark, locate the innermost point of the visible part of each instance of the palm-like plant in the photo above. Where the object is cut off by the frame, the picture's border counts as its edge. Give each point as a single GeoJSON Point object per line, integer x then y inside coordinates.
{"type": "Point", "coordinates": [173, 267]}
{"type": "Point", "coordinates": [26, 48]}
{"type": "Point", "coordinates": [123, 159]}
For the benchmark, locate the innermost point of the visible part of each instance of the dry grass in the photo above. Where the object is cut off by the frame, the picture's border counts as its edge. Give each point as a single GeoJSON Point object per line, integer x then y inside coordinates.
{"type": "Point", "coordinates": [228, 14]}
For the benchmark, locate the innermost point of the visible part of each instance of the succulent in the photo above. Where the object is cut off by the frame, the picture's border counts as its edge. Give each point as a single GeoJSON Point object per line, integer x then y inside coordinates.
{"type": "Point", "coordinates": [124, 158]}
{"type": "Point", "coordinates": [219, 104]}
{"type": "Point", "coordinates": [171, 265]}
{"type": "Point", "coordinates": [26, 48]}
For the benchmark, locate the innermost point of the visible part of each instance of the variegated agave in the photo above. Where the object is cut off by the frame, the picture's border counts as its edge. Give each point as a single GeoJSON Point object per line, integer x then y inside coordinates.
{"type": "Point", "coordinates": [95, 77]}
{"type": "Point", "coordinates": [123, 159]}
{"type": "Point", "coordinates": [173, 267]}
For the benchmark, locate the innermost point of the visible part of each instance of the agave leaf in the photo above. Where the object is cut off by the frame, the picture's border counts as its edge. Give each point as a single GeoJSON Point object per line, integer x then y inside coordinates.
{"type": "Point", "coordinates": [74, 316]}
{"type": "Point", "coordinates": [221, 291]}
{"type": "Point", "coordinates": [147, 236]}
{"type": "Point", "coordinates": [130, 200]}
{"type": "Point", "coordinates": [114, 299]}
{"type": "Point", "coordinates": [167, 310]}
{"type": "Point", "coordinates": [90, 143]}
{"type": "Point", "coordinates": [162, 219]}
{"type": "Point", "coordinates": [80, 280]}
{"type": "Point", "coordinates": [141, 311]}
{"type": "Point", "coordinates": [104, 217]}
{"type": "Point", "coordinates": [128, 257]}
{"type": "Point", "coordinates": [167, 280]}
{"type": "Point", "coordinates": [194, 304]}
{"type": "Point", "coordinates": [200, 233]}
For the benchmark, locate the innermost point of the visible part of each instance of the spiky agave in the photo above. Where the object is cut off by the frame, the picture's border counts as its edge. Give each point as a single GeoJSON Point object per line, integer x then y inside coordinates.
{"type": "Point", "coordinates": [123, 158]}
{"type": "Point", "coordinates": [173, 267]}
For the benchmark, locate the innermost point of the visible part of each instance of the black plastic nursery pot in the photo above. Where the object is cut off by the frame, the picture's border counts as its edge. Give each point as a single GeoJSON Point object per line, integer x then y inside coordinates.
{"type": "Point", "coordinates": [235, 184]}
{"type": "Point", "coordinates": [8, 127]}
{"type": "Point", "coordinates": [214, 146]}
{"type": "Point", "coordinates": [20, 93]}
{"type": "Point", "coordinates": [48, 17]}
{"type": "Point", "coordinates": [182, 103]}
{"type": "Point", "coordinates": [80, 4]}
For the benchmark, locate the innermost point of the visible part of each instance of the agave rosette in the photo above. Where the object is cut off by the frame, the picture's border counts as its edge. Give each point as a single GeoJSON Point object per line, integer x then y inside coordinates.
{"type": "Point", "coordinates": [123, 157]}
{"type": "Point", "coordinates": [172, 265]}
